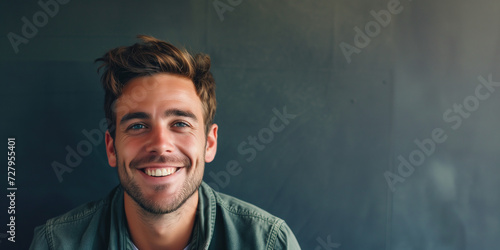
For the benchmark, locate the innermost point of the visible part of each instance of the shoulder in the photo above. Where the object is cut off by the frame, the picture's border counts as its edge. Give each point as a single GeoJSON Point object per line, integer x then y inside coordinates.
{"type": "Point", "coordinates": [252, 224]}
{"type": "Point", "coordinates": [68, 229]}
{"type": "Point", "coordinates": [80, 214]}
{"type": "Point", "coordinates": [239, 208]}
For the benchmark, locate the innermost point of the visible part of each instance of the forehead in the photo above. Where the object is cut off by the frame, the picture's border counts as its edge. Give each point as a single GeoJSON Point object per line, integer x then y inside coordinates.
{"type": "Point", "coordinates": [159, 91]}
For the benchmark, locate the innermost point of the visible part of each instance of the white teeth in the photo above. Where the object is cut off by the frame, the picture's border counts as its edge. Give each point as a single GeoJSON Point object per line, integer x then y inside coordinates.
{"type": "Point", "coordinates": [160, 172]}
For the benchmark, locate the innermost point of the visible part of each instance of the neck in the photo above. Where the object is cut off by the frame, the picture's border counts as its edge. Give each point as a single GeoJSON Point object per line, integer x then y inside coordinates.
{"type": "Point", "coordinates": [163, 231]}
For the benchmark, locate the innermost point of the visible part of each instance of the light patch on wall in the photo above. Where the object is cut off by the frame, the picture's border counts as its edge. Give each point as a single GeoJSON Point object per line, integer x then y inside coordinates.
{"type": "Point", "coordinates": [443, 176]}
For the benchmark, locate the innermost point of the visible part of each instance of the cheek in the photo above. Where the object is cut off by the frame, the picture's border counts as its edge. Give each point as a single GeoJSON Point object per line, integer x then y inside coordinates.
{"type": "Point", "coordinates": [191, 146]}
{"type": "Point", "coordinates": [127, 149]}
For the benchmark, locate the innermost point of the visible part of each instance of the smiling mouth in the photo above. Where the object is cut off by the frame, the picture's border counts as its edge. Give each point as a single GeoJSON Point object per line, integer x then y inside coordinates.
{"type": "Point", "coordinates": [160, 172]}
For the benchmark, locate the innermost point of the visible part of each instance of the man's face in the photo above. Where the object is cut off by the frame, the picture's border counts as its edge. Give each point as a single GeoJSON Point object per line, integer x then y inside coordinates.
{"type": "Point", "coordinates": [160, 145]}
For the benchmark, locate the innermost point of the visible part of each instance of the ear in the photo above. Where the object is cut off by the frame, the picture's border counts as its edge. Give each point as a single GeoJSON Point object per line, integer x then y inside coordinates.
{"type": "Point", "coordinates": [110, 149]}
{"type": "Point", "coordinates": [211, 147]}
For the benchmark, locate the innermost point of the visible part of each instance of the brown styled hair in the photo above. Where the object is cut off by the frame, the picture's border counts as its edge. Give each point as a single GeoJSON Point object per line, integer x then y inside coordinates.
{"type": "Point", "coordinates": [150, 57]}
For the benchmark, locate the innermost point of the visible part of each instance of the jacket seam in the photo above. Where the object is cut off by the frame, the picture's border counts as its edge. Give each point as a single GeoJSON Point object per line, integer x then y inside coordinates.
{"type": "Point", "coordinates": [271, 241]}
{"type": "Point", "coordinates": [48, 235]}
{"type": "Point", "coordinates": [231, 209]}
{"type": "Point", "coordinates": [275, 222]}
{"type": "Point", "coordinates": [81, 215]}
{"type": "Point", "coordinates": [63, 220]}
{"type": "Point", "coordinates": [213, 210]}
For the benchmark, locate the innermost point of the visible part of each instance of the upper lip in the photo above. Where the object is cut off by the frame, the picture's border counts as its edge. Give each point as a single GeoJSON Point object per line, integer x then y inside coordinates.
{"type": "Point", "coordinates": [159, 165]}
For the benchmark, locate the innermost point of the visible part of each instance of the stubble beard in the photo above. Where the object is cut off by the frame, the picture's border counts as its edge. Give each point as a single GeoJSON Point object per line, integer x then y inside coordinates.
{"type": "Point", "coordinates": [154, 207]}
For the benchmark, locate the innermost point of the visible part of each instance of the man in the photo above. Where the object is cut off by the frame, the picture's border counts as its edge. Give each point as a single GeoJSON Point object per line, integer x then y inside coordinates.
{"type": "Point", "coordinates": [160, 105]}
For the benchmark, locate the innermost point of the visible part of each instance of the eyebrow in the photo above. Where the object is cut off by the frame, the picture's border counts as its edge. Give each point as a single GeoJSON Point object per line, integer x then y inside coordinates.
{"type": "Point", "coordinates": [169, 112]}
{"type": "Point", "coordinates": [135, 115]}
{"type": "Point", "coordinates": [178, 112]}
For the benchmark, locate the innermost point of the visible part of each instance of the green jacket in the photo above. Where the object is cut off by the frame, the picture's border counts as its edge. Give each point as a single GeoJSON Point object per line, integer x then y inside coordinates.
{"type": "Point", "coordinates": [223, 222]}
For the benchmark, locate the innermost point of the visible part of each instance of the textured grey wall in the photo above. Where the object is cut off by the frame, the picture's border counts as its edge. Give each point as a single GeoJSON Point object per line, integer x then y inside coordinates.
{"type": "Point", "coordinates": [394, 142]}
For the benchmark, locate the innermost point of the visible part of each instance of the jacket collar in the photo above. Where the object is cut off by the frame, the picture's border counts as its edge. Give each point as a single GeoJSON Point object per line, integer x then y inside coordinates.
{"type": "Point", "coordinates": [205, 217]}
{"type": "Point", "coordinates": [203, 230]}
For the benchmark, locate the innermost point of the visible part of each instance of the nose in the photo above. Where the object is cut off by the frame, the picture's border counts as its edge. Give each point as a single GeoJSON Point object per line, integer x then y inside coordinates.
{"type": "Point", "coordinates": [160, 140]}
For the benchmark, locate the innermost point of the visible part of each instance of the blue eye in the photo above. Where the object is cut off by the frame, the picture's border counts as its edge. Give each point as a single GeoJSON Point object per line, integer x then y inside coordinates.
{"type": "Point", "coordinates": [181, 124]}
{"type": "Point", "coordinates": [137, 126]}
